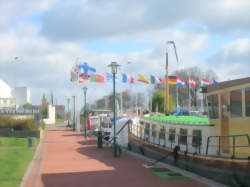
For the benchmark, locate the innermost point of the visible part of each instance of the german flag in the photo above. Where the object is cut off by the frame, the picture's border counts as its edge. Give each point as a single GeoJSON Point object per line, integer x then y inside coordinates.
{"type": "Point", "coordinates": [172, 80]}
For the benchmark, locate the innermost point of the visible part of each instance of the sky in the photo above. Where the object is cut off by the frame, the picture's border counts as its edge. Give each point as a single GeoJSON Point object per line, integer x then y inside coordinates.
{"type": "Point", "coordinates": [50, 36]}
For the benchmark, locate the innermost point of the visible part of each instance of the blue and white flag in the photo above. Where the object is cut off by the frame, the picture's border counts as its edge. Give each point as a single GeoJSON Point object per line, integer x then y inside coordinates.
{"type": "Point", "coordinates": [109, 77]}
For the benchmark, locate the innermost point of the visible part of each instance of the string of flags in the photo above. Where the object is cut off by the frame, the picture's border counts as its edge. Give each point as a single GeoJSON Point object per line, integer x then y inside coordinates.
{"type": "Point", "coordinates": [83, 72]}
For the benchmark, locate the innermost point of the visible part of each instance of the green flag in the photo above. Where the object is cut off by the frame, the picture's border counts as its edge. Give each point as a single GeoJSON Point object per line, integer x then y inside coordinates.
{"type": "Point", "coordinates": [152, 79]}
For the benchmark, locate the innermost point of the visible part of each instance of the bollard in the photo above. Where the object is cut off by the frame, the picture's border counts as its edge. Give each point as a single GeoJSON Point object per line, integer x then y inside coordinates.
{"type": "Point", "coordinates": [31, 142]}
{"type": "Point", "coordinates": [99, 140]}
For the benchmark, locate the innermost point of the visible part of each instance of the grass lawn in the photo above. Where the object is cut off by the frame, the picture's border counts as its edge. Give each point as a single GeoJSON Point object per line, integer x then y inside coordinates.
{"type": "Point", "coordinates": [59, 121]}
{"type": "Point", "coordinates": [14, 162]}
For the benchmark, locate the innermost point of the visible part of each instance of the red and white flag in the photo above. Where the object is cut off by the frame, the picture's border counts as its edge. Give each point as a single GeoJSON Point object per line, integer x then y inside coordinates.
{"type": "Point", "coordinates": [205, 82]}
{"type": "Point", "coordinates": [192, 82]}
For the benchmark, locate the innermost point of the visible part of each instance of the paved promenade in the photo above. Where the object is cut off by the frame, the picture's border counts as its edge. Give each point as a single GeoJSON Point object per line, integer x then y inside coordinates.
{"type": "Point", "coordinates": [65, 158]}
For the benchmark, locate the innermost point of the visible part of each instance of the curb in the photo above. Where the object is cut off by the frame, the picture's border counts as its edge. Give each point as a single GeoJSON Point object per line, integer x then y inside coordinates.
{"type": "Point", "coordinates": [35, 157]}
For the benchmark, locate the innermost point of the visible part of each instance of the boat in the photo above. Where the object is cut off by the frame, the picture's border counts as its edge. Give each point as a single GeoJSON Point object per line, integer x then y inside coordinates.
{"type": "Point", "coordinates": [216, 147]}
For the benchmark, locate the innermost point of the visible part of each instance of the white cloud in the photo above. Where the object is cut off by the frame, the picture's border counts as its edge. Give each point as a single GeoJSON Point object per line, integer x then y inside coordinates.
{"type": "Point", "coordinates": [232, 60]}
{"type": "Point", "coordinates": [14, 10]}
{"type": "Point", "coordinates": [93, 20]}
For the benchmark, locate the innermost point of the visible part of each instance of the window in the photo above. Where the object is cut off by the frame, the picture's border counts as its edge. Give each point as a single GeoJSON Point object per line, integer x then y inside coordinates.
{"type": "Point", "coordinates": [171, 137]}
{"type": "Point", "coordinates": [162, 132]}
{"type": "Point", "coordinates": [213, 106]}
{"type": "Point", "coordinates": [236, 103]}
{"type": "Point", "coordinates": [154, 130]}
{"type": "Point", "coordinates": [183, 136]}
{"type": "Point", "coordinates": [147, 128]}
{"type": "Point", "coordinates": [247, 100]}
{"type": "Point", "coordinates": [196, 140]}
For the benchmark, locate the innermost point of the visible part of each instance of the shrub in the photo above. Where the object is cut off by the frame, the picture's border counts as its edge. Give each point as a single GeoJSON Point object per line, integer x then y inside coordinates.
{"type": "Point", "coordinates": [17, 124]}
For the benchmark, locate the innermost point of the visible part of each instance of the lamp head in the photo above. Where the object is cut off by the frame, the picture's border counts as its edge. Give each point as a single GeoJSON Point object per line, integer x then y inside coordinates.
{"type": "Point", "coordinates": [114, 67]}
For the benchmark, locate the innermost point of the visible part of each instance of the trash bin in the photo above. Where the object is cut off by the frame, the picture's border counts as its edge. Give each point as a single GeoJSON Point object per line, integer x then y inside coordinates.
{"type": "Point", "coordinates": [31, 142]}
{"type": "Point", "coordinates": [99, 140]}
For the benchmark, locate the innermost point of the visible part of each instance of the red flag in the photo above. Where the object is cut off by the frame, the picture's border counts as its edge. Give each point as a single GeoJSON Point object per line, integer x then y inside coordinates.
{"type": "Point", "coordinates": [131, 80]}
{"type": "Point", "coordinates": [89, 123]}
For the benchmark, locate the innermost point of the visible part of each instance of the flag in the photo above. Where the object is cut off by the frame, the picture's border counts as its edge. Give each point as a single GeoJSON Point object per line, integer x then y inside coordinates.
{"type": "Point", "coordinates": [159, 81]}
{"type": "Point", "coordinates": [205, 82]}
{"type": "Point", "coordinates": [131, 80]}
{"type": "Point", "coordinates": [180, 82]}
{"type": "Point", "coordinates": [214, 82]}
{"type": "Point", "coordinates": [192, 82]}
{"type": "Point", "coordinates": [97, 78]}
{"type": "Point", "coordinates": [109, 77]}
{"type": "Point", "coordinates": [124, 78]}
{"type": "Point", "coordinates": [152, 79]}
{"type": "Point", "coordinates": [172, 80]}
{"type": "Point", "coordinates": [82, 79]}
{"type": "Point", "coordinates": [73, 76]}
{"type": "Point", "coordinates": [143, 79]}
{"type": "Point", "coordinates": [85, 70]}
{"type": "Point", "coordinates": [89, 123]}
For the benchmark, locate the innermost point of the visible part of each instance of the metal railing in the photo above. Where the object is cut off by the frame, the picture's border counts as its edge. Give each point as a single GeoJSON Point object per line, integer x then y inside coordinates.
{"type": "Point", "coordinates": [238, 145]}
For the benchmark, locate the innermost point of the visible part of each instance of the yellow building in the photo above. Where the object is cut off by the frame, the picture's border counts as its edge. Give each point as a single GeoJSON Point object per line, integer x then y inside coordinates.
{"type": "Point", "coordinates": [229, 110]}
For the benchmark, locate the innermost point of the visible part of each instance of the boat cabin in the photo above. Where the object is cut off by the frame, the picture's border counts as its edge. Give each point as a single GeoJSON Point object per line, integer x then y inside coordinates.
{"type": "Point", "coordinates": [228, 105]}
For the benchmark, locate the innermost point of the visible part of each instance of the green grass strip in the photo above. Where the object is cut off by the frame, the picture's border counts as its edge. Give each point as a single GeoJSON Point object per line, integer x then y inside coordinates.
{"type": "Point", "coordinates": [14, 162]}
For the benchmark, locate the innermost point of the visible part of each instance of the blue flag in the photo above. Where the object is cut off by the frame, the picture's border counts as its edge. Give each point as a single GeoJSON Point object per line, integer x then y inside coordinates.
{"type": "Point", "coordinates": [124, 78]}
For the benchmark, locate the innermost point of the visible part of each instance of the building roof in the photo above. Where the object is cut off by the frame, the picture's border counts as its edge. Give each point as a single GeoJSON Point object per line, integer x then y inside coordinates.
{"type": "Point", "coordinates": [59, 107]}
{"type": "Point", "coordinates": [5, 90]}
{"type": "Point", "coordinates": [227, 84]}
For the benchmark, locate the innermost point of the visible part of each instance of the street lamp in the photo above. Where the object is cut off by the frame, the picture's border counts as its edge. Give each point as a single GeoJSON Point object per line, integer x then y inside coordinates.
{"type": "Point", "coordinates": [114, 66]}
{"type": "Point", "coordinates": [84, 114]}
{"type": "Point", "coordinates": [68, 100]}
{"type": "Point", "coordinates": [74, 113]}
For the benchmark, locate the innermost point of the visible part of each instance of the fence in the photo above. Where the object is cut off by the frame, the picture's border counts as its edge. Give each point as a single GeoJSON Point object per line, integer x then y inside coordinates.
{"type": "Point", "coordinates": [196, 143]}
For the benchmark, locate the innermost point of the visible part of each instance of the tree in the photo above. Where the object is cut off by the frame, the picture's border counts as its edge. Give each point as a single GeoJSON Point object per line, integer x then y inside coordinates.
{"type": "Point", "coordinates": [158, 102]}
{"type": "Point", "coordinates": [28, 106]}
{"type": "Point", "coordinates": [44, 106]}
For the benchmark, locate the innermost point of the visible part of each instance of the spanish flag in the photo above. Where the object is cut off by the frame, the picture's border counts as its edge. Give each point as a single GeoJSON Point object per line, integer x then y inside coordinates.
{"type": "Point", "coordinates": [172, 80]}
{"type": "Point", "coordinates": [143, 79]}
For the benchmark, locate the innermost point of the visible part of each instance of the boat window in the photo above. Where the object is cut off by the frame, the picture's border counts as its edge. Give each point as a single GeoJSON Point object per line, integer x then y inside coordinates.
{"type": "Point", "coordinates": [213, 106]}
{"type": "Point", "coordinates": [141, 122]}
{"type": "Point", "coordinates": [171, 136]}
{"type": "Point", "coordinates": [196, 140]}
{"type": "Point", "coordinates": [153, 130]}
{"type": "Point", "coordinates": [162, 132]}
{"type": "Point", "coordinates": [247, 100]}
{"type": "Point", "coordinates": [236, 103]}
{"type": "Point", "coordinates": [183, 136]}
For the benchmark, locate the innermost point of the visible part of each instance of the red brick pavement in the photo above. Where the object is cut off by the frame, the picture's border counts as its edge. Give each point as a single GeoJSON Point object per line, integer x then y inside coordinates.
{"type": "Point", "coordinates": [70, 160]}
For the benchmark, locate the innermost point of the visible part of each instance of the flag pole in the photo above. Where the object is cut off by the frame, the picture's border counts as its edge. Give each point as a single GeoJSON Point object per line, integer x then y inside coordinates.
{"type": "Point", "coordinates": [189, 97]}
{"type": "Point", "coordinates": [166, 87]}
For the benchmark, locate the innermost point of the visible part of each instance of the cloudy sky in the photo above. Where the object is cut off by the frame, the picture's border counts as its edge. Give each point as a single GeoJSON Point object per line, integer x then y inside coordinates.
{"type": "Point", "coordinates": [48, 36]}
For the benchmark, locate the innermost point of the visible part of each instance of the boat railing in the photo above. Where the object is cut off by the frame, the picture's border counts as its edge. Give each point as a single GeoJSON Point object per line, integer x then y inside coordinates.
{"type": "Point", "coordinates": [215, 146]}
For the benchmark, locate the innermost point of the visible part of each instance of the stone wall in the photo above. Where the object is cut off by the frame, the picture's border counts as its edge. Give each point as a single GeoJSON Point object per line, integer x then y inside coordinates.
{"type": "Point", "coordinates": [8, 132]}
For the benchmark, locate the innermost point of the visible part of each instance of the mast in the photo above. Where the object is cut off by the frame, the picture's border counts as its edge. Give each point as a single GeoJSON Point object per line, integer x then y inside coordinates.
{"type": "Point", "coordinates": [166, 87]}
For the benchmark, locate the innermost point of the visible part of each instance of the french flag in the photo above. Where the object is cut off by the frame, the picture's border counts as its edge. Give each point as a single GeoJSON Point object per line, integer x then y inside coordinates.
{"type": "Point", "coordinates": [205, 82]}
{"type": "Point", "coordinates": [181, 82]}
{"type": "Point", "coordinates": [192, 82]}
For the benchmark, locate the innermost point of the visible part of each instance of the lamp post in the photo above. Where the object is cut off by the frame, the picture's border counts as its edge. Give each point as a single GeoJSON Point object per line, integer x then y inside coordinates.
{"type": "Point", "coordinates": [74, 113]}
{"type": "Point", "coordinates": [68, 100]}
{"type": "Point", "coordinates": [84, 114]}
{"type": "Point", "coordinates": [114, 66]}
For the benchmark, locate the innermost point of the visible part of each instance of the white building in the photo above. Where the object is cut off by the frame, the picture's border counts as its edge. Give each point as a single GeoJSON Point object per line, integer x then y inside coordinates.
{"type": "Point", "coordinates": [7, 101]}
{"type": "Point", "coordinates": [22, 95]}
